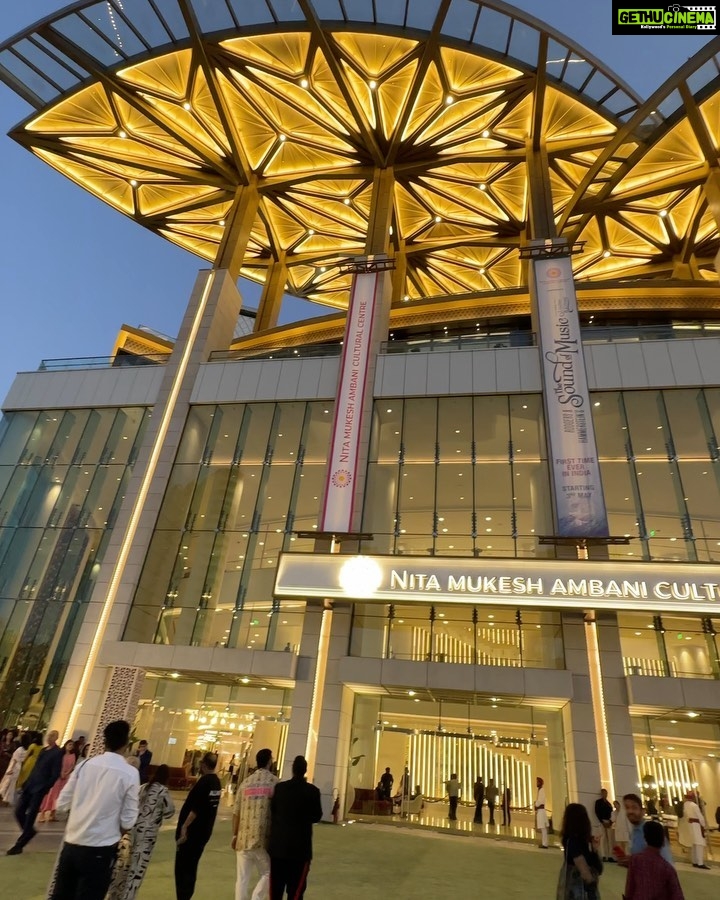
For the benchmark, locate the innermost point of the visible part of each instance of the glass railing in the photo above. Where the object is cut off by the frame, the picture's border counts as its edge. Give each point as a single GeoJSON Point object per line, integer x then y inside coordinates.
{"type": "Point", "coordinates": [593, 334]}
{"type": "Point", "coordinates": [596, 334]}
{"type": "Point", "coordinates": [123, 360]}
{"type": "Point", "coordinates": [305, 352]}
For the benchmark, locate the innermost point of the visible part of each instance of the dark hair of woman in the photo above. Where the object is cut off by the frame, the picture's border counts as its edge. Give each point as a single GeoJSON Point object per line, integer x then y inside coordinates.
{"type": "Point", "coordinates": [576, 824]}
{"type": "Point", "coordinates": [26, 740]}
{"type": "Point", "coordinates": [161, 775]}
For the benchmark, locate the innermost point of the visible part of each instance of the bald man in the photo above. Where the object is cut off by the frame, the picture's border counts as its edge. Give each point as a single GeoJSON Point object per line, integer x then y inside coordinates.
{"type": "Point", "coordinates": [45, 773]}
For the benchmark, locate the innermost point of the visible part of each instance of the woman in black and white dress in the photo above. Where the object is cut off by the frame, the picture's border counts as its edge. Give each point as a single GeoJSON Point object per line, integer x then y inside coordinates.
{"type": "Point", "coordinates": [155, 805]}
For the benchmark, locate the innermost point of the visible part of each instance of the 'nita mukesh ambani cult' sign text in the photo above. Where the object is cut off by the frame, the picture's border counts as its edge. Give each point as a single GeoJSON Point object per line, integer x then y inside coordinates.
{"type": "Point", "coordinates": [573, 584]}
{"type": "Point", "coordinates": [342, 465]}
{"type": "Point", "coordinates": [576, 473]}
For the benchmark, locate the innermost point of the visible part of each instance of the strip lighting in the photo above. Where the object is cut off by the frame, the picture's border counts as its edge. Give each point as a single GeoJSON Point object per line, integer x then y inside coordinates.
{"type": "Point", "coordinates": [598, 703]}
{"type": "Point", "coordinates": [318, 689]}
{"type": "Point", "coordinates": [138, 507]}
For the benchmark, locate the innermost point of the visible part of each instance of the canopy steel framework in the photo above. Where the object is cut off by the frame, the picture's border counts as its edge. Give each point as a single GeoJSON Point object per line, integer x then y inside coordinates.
{"type": "Point", "coordinates": [497, 130]}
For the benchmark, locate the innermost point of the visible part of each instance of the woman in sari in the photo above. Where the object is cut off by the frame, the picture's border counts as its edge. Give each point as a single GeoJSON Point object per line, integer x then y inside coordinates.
{"type": "Point", "coordinates": [8, 784]}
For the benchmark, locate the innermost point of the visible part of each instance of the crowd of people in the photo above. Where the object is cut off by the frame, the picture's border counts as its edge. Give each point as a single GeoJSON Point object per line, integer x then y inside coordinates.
{"type": "Point", "coordinates": [632, 836]}
{"type": "Point", "coordinates": [116, 802]}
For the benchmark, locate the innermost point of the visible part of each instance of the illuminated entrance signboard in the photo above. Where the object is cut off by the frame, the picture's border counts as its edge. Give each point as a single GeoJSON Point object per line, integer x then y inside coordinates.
{"type": "Point", "coordinates": [557, 584]}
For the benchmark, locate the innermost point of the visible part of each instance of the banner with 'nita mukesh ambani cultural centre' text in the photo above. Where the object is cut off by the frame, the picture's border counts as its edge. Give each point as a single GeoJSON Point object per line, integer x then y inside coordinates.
{"type": "Point", "coordinates": [342, 470]}
{"type": "Point", "coordinates": [579, 500]}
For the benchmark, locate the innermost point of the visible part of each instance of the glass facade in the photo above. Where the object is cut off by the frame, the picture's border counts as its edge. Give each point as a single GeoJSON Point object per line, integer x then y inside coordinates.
{"type": "Point", "coordinates": [675, 646]}
{"type": "Point", "coordinates": [182, 718]}
{"type": "Point", "coordinates": [458, 634]}
{"type": "Point", "coordinates": [458, 476]}
{"type": "Point", "coordinates": [675, 754]}
{"type": "Point", "coordinates": [659, 460]}
{"type": "Point", "coordinates": [246, 477]}
{"type": "Point", "coordinates": [426, 740]}
{"type": "Point", "coordinates": [464, 476]}
{"type": "Point", "coordinates": [63, 475]}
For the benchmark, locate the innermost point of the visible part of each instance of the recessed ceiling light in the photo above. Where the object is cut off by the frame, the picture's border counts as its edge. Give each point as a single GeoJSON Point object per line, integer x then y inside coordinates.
{"type": "Point", "coordinates": [372, 85]}
{"type": "Point", "coordinates": [304, 83]}
{"type": "Point", "coordinates": [606, 253]}
{"type": "Point", "coordinates": [693, 715]}
{"type": "Point", "coordinates": [482, 186]}
{"type": "Point", "coordinates": [663, 213]}
{"type": "Point", "coordinates": [486, 133]}
{"type": "Point", "coordinates": [449, 99]}
{"type": "Point", "coordinates": [186, 105]}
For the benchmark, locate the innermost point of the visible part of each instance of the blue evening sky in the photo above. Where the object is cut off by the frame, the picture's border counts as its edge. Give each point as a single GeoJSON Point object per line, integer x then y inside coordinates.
{"type": "Point", "coordinates": [73, 270]}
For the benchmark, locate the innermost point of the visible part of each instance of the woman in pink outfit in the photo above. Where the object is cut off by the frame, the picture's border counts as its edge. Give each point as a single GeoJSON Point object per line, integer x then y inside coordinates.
{"type": "Point", "coordinates": [47, 809]}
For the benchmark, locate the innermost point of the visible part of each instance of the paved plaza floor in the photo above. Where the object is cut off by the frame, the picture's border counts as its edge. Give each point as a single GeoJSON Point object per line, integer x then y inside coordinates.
{"type": "Point", "coordinates": [355, 861]}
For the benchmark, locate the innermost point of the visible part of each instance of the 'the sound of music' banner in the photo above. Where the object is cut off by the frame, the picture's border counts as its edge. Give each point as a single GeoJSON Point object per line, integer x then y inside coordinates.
{"type": "Point", "coordinates": [579, 499]}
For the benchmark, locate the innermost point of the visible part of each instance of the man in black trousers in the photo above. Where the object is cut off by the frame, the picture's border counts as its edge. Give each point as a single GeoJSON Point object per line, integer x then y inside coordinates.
{"type": "Point", "coordinates": [195, 826]}
{"type": "Point", "coordinates": [45, 773]}
{"type": "Point", "coordinates": [294, 808]}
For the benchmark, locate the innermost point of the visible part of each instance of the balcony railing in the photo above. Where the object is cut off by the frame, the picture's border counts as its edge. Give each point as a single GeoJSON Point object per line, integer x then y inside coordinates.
{"type": "Point", "coordinates": [121, 361]}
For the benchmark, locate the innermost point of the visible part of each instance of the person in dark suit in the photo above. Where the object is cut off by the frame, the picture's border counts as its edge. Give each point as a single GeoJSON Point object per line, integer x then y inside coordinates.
{"type": "Point", "coordinates": [144, 755]}
{"type": "Point", "coordinates": [294, 808]}
{"type": "Point", "coordinates": [506, 798]}
{"type": "Point", "coordinates": [479, 795]}
{"type": "Point", "coordinates": [45, 773]}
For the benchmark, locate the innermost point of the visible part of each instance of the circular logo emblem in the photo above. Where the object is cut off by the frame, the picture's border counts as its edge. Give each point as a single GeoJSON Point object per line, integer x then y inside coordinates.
{"type": "Point", "coordinates": [553, 272]}
{"type": "Point", "coordinates": [341, 478]}
{"type": "Point", "coordinates": [360, 577]}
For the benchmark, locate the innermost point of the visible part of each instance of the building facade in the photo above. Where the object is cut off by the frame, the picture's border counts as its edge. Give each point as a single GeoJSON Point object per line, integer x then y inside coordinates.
{"type": "Point", "coordinates": [366, 538]}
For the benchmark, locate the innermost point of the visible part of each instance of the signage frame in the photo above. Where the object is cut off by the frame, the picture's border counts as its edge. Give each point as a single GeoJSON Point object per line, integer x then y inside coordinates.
{"type": "Point", "coordinates": [681, 588]}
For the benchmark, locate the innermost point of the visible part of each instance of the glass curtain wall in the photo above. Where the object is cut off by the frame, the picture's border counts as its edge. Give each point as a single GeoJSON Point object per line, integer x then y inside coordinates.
{"type": "Point", "coordinates": [659, 460]}
{"type": "Point", "coordinates": [473, 635]}
{"type": "Point", "coordinates": [426, 740]}
{"type": "Point", "coordinates": [675, 753]}
{"type": "Point", "coordinates": [465, 476]}
{"type": "Point", "coordinates": [458, 476]}
{"type": "Point", "coordinates": [246, 477]}
{"type": "Point", "coordinates": [63, 476]}
{"type": "Point", "coordinates": [674, 646]}
{"type": "Point", "coordinates": [183, 718]}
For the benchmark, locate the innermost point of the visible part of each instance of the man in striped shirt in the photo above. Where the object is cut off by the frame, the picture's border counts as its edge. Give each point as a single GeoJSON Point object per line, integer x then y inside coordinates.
{"type": "Point", "coordinates": [251, 829]}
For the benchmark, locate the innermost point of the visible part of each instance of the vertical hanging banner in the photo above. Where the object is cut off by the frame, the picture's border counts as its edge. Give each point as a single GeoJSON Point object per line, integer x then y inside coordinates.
{"type": "Point", "coordinates": [579, 500]}
{"type": "Point", "coordinates": [342, 464]}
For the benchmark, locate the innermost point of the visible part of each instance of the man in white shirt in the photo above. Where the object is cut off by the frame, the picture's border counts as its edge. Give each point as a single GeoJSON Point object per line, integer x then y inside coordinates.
{"type": "Point", "coordinates": [102, 797]}
{"type": "Point", "coordinates": [541, 816]}
{"type": "Point", "coordinates": [251, 829]}
{"type": "Point", "coordinates": [695, 819]}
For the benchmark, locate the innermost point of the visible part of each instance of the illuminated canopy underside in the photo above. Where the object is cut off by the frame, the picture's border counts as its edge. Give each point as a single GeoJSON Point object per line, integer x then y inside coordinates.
{"type": "Point", "coordinates": [309, 115]}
